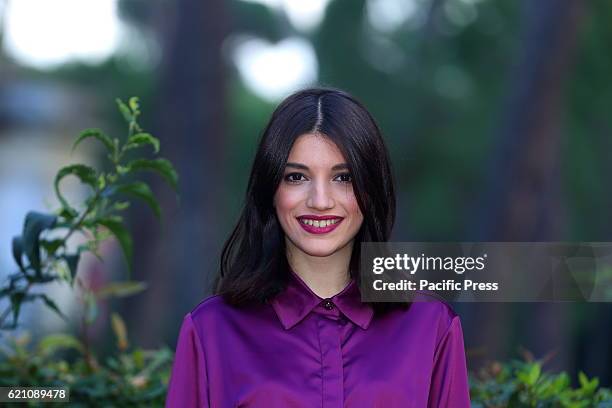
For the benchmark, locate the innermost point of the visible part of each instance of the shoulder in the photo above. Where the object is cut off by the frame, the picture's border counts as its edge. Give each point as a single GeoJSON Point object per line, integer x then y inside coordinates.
{"type": "Point", "coordinates": [206, 314]}
{"type": "Point", "coordinates": [436, 310]}
{"type": "Point", "coordinates": [208, 308]}
{"type": "Point", "coordinates": [209, 303]}
{"type": "Point", "coordinates": [214, 311]}
{"type": "Point", "coordinates": [436, 302]}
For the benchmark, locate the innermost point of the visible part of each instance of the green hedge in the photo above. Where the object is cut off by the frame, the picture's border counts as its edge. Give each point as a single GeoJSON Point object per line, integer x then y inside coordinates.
{"type": "Point", "coordinates": [137, 378]}
{"type": "Point", "coordinates": [524, 384]}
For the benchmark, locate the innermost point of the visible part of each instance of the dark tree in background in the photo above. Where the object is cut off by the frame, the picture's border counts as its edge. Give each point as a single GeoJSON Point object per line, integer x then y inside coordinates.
{"type": "Point", "coordinates": [191, 122]}
{"type": "Point", "coordinates": [523, 198]}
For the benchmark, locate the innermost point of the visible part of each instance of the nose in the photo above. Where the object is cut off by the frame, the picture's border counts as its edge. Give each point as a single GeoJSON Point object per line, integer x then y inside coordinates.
{"type": "Point", "coordinates": [319, 196]}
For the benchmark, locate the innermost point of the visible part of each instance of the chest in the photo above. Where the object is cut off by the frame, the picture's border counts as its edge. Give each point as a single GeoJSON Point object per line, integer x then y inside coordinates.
{"type": "Point", "coordinates": [321, 363]}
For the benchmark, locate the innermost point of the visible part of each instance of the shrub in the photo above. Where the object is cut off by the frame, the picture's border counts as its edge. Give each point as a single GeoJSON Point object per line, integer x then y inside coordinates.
{"type": "Point", "coordinates": [130, 377]}
{"type": "Point", "coordinates": [524, 384]}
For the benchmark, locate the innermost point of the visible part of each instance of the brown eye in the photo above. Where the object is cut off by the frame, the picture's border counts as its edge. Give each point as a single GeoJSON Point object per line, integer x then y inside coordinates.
{"type": "Point", "coordinates": [294, 177]}
{"type": "Point", "coordinates": [345, 177]}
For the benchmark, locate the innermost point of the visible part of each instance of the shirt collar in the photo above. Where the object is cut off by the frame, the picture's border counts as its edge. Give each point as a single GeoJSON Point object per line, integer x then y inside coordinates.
{"type": "Point", "coordinates": [297, 300]}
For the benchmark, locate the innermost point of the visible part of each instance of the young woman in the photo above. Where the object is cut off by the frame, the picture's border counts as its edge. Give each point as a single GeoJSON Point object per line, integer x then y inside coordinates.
{"type": "Point", "coordinates": [286, 326]}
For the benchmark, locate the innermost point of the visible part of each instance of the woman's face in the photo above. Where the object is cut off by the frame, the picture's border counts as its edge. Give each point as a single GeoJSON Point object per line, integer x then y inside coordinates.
{"type": "Point", "coordinates": [314, 202]}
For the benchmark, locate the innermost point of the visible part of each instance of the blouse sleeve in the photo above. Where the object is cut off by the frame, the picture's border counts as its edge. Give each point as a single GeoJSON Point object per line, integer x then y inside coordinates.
{"type": "Point", "coordinates": [449, 383]}
{"type": "Point", "coordinates": [188, 385]}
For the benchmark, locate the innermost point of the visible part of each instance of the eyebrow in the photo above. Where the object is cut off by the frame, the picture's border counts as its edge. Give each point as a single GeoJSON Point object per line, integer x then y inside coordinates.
{"type": "Point", "coordinates": [340, 166]}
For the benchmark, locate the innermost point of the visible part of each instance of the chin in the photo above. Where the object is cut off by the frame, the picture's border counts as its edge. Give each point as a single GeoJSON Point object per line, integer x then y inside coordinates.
{"type": "Point", "coordinates": [318, 250]}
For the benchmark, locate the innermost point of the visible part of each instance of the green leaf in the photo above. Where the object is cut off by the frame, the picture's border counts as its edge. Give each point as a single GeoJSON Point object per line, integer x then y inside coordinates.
{"type": "Point", "coordinates": [123, 236]}
{"type": "Point", "coordinates": [51, 246]}
{"type": "Point", "coordinates": [52, 305]}
{"type": "Point", "coordinates": [121, 205]}
{"type": "Point", "coordinates": [72, 260]}
{"type": "Point", "coordinates": [85, 173]}
{"type": "Point", "coordinates": [160, 166]}
{"type": "Point", "coordinates": [134, 105]}
{"type": "Point", "coordinates": [68, 214]}
{"type": "Point", "coordinates": [531, 375]}
{"type": "Point", "coordinates": [139, 358]}
{"type": "Point", "coordinates": [125, 111]}
{"type": "Point", "coordinates": [48, 345]}
{"type": "Point", "coordinates": [16, 300]}
{"type": "Point", "coordinates": [18, 251]}
{"type": "Point", "coordinates": [142, 139]}
{"type": "Point", "coordinates": [588, 386]}
{"type": "Point", "coordinates": [101, 181]}
{"type": "Point", "coordinates": [561, 382]}
{"type": "Point", "coordinates": [121, 170]}
{"type": "Point", "coordinates": [583, 379]}
{"type": "Point", "coordinates": [121, 289]}
{"type": "Point", "coordinates": [96, 134]}
{"type": "Point", "coordinates": [34, 224]}
{"type": "Point", "coordinates": [141, 190]}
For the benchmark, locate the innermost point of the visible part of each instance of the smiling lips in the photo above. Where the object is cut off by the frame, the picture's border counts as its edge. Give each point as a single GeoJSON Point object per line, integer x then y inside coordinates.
{"type": "Point", "coordinates": [319, 224]}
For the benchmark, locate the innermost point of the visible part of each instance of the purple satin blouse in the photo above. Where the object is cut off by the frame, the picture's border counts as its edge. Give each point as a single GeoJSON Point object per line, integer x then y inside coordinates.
{"type": "Point", "coordinates": [304, 351]}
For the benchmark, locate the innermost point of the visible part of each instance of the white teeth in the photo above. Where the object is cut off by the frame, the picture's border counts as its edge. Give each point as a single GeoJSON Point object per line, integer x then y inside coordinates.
{"type": "Point", "coordinates": [319, 223]}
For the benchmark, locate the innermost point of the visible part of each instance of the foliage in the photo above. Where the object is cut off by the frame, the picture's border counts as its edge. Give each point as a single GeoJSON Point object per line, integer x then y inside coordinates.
{"type": "Point", "coordinates": [524, 384]}
{"type": "Point", "coordinates": [42, 252]}
{"type": "Point", "coordinates": [126, 379]}
{"type": "Point", "coordinates": [129, 378]}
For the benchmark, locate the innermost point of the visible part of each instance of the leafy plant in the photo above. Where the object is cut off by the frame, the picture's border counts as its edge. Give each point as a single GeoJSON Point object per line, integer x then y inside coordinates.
{"type": "Point", "coordinates": [42, 252]}
{"type": "Point", "coordinates": [523, 384]}
{"type": "Point", "coordinates": [136, 378]}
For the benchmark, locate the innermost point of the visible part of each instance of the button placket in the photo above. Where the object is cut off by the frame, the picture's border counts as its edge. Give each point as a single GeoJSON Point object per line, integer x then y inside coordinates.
{"type": "Point", "coordinates": [331, 363]}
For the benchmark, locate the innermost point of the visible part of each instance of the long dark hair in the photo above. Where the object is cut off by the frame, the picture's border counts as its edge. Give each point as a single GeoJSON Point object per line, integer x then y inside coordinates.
{"type": "Point", "coordinates": [253, 266]}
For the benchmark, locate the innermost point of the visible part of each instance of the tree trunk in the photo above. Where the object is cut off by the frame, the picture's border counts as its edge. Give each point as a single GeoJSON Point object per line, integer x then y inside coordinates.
{"type": "Point", "coordinates": [179, 259]}
{"type": "Point", "coordinates": [522, 199]}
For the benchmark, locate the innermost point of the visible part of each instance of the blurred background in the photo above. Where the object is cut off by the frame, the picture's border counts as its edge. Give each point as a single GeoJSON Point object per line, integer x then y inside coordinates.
{"type": "Point", "coordinates": [496, 113]}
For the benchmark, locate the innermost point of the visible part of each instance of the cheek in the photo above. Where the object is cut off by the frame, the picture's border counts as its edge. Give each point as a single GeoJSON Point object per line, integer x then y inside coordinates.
{"type": "Point", "coordinates": [351, 205]}
{"type": "Point", "coordinates": [356, 211]}
{"type": "Point", "coordinates": [285, 200]}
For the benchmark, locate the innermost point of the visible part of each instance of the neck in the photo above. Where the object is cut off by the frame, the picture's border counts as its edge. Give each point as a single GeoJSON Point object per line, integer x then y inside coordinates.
{"type": "Point", "coordinates": [324, 275]}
